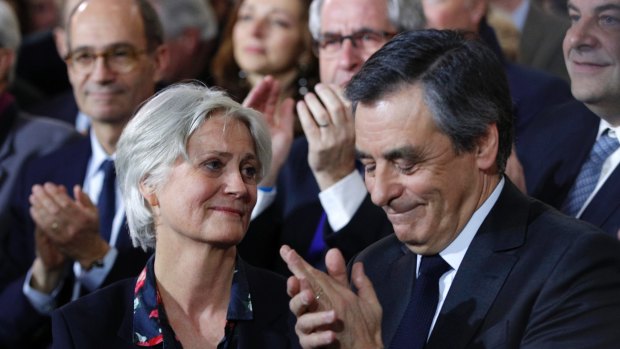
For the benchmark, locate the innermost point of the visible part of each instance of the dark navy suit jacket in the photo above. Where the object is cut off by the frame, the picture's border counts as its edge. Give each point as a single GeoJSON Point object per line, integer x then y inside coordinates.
{"type": "Point", "coordinates": [104, 319]}
{"type": "Point", "coordinates": [531, 278]}
{"type": "Point", "coordinates": [66, 166]}
{"type": "Point", "coordinates": [553, 154]}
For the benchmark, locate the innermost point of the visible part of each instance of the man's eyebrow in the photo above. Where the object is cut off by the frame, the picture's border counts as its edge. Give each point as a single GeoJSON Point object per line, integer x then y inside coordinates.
{"type": "Point", "coordinates": [358, 30]}
{"type": "Point", "coordinates": [406, 152]}
{"type": "Point", "coordinates": [362, 155]}
{"type": "Point", "coordinates": [606, 7]}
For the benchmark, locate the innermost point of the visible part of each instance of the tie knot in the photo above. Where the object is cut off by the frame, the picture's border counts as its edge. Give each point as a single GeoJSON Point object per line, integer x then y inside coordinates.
{"type": "Point", "coordinates": [433, 266]}
{"type": "Point", "coordinates": [107, 166]}
{"type": "Point", "coordinates": [605, 145]}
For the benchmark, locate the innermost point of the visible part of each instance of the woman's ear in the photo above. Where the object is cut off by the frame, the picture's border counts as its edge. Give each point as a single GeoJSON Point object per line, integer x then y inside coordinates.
{"type": "Point", "coordinates": [148, 192]}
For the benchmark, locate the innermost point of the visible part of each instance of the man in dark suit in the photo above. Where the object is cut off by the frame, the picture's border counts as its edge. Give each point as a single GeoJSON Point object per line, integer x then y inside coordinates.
{"type": "Point", "coordinates": [61, 244]}
{"type": "Point", "coordinates": [315, 198]}
{"type": "Point", "coordinates": [473, 262]}
{"type": "Point", "coordinates": [558, 156]}
{"type": "Point", "coordinates": [22, 136]}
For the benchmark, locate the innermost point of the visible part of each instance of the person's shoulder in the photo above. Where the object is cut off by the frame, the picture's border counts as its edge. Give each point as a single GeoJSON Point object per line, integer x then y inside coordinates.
{"type": "Point", "coordinates": [386, 249]}
{"type": "Point", "coordinates": [102, 319]}
{"type": "Point", "coordinates": [108, 300]}
{"type": "Point", "coordinates": [43, 129]}
{"type": "Point", "coordinates": [265, 282]}
{"type": "Point", "coordinates": [564, 232]}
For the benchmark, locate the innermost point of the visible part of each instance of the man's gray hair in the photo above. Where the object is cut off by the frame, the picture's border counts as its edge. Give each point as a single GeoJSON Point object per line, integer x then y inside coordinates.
{"type": "Point", "coordinates": [157, 137]}
{"type": "Point", "coordinates": [179, 15]}
{"type": "Point", "coordinates": [403, 15]}
{"type": "Point", "coordinates": [10, 37]}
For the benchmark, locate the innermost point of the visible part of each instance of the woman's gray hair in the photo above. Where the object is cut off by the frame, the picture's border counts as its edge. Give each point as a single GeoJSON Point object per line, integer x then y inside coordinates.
{"type": "Point", "coordinates": [158, 135]}
{"type": "Point", "coordinates": [402, 14]}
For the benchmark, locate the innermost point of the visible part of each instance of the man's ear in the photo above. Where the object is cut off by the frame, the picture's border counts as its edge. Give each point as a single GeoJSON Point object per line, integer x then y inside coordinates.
{"type": "Point", "coordinates": [60, 39]}
{"type": "Point", "coordinates": [477, 11]}
{"type": "Point", "coordinates": [487, 148]}
{"type": "Point", "coordinates": [148, 192]}
{"type": "Point", "coordinates": [161, 61]}
{"type": "Point", "coordinates": [7, 57]}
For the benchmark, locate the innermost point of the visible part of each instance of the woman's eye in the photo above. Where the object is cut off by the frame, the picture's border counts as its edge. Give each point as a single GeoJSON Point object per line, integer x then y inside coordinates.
{"type": "Point", "coordinates": [250, 172]}
{"type": "Point", "coordinates": [213, 165]}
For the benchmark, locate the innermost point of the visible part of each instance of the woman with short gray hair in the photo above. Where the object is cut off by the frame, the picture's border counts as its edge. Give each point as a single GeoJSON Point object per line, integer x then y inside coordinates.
{"type": "Point", "coordinates": [188, 165]}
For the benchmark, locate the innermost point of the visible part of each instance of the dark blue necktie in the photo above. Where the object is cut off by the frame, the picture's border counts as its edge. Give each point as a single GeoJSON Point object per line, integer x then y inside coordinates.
{"type": "Point", "coordinates": [416, 322]}
{"type": "Point", "coordinates": [589, 173]}
{"type": "Point", "coordinates": [107, 199]}
{"type": "Point", "coordinates": [318, 246]}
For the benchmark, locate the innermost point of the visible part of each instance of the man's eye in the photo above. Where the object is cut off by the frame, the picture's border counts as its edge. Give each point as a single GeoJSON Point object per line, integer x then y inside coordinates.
{"type": "Point", "coordinates": [609, 20]}
{"type": "Point", "coordinates": [83, 57]}
{"type": "Point", "coordinates": [369, 168]}
{"type": "Point", "coordinates": [330, 41]}
{"type": "Point", "coordinates": [370, 38]}
{"type": "Point", "coordinates": [121, 53]}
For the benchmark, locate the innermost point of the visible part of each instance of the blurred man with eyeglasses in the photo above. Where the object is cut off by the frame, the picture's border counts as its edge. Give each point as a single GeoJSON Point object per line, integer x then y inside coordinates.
{"type": "Point", "coordinates": [319, 199]}
{"type": "Point", "coordinates": [65, 243]}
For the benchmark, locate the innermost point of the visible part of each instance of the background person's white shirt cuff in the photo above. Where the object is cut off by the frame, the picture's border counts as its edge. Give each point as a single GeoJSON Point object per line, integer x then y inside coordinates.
{"type": "Point", "coordinates": [94, 278]}
{"type": "Point", "coordinates": [43, 303]}
{"type": "Point", "coordinates": [342, 200]}
{"type": "Point", "coordinates": [264, 199]}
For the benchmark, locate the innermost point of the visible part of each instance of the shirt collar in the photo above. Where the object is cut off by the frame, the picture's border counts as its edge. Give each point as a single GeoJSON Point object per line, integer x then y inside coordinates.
{"type": "Point", "coordinates": [603, 125]}
{"type": "Point", "coordinates": [455, 252]}
{"type": "Point", "coordinates": [147, 320]}
{"type": "Point", "coordinates": [519, 15]}
{"type": "Point", "coordinates": [98, 155]}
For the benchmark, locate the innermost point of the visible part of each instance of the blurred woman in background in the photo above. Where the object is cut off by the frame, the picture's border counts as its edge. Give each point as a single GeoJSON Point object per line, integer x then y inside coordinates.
{"type": "Point", "coordinates": [267, 37]}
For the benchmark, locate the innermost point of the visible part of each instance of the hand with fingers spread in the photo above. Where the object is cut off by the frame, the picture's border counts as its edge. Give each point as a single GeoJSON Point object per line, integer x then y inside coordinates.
{"type": "Point", "coordinates": [264, 97]}
{"type": "Point", "coordinates": [328, 312]}
{"type": "Point", "coordinates": [327, 120]}
{"type": "Point", "coordinates": [72, 225]}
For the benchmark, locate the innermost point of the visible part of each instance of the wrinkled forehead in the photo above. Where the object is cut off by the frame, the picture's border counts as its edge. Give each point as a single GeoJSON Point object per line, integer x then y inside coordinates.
{"type": "Point", "coordinates": [348, 16]}
{"type": "Point", "coordinates": [103, 23]}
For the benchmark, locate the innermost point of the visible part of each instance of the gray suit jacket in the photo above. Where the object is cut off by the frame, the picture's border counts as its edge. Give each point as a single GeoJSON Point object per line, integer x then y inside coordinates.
{"type": "Point", "coordinates": [531, 278]}
{"type": "Point", "coordinates": [541, 41]}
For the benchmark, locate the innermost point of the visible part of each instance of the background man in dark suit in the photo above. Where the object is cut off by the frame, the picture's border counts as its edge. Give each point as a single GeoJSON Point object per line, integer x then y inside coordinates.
{"type": "Point", "coordinates": [557, 157]}
{"type": "Point", "coordinates": [316, 198]}
{"type": "Point", "coordinates": [115, 58]}
{"type": "Point", "coordinates": [22, 136]}
{"type": "Point", "coordinates": [473, 262]}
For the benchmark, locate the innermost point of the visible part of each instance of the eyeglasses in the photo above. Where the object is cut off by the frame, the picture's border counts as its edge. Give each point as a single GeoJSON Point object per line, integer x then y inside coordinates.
{"type": "Point", "coordinates": [366, 40]}
{"type": "Point", "coordinates": [119, 58]}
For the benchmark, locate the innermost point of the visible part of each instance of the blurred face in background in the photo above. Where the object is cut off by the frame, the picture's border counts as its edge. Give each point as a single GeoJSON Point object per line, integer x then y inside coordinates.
{"type": "Point", "coordinates": [43, 15]}
{"type": "Point", "coordinates": [106, 32]}
{"type": "Point", "coordinates": [454, 14]}
{"type": "Point", "coordinates": [340, 18]}
{"type": "Point", "coordinates": [268, 36]}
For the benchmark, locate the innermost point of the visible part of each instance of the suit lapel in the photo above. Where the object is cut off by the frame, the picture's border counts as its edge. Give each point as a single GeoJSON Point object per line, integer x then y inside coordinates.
{"type": "Point", "coordinates": [396, 297]}
{"type": "Point", "coordinates": [481, 275]}
{"type": "Point", "coordinates": [605, 202]}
